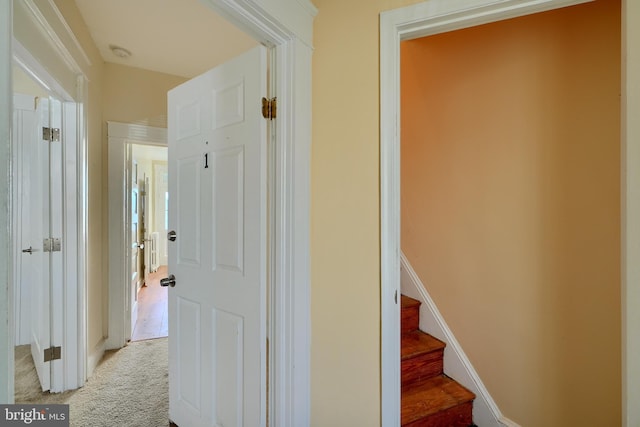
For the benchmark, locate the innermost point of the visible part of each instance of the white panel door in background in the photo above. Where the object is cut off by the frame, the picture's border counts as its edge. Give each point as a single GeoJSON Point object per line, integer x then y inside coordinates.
{"type": "Point", "coordinates": [218, 209]}
{"type": "Point", "coordinates": [45, 224]}
{"type": "Point", "coordinates": [40, 260]}
{"type": "Point", "coordinates": [25, 123]}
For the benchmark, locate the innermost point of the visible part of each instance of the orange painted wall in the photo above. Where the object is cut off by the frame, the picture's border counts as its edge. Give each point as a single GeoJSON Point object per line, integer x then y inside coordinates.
{"type": "Point", "coordinates": [511, 204]}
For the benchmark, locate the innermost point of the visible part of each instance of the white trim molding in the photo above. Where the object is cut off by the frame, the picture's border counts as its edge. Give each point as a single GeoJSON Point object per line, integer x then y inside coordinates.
{"type": "Point", "coordinates": [419, 20]}
{"type": "Point", "coordinates": [630, 210]}
{"type": "Point", "coordinates": [6, 252]}
{"type": "Point", "coordinates": [287, 26]}
{"type": "Point", "coordinates": [456, 363]}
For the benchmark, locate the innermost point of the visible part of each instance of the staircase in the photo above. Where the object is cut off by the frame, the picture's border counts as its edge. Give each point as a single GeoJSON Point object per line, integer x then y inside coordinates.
{"type": "Point", "coordinates": [429, 397]}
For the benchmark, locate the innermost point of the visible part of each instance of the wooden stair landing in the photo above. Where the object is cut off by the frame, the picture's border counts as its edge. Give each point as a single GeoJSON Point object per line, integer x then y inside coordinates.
{"type": "Point", "coordinates": [429, 397]}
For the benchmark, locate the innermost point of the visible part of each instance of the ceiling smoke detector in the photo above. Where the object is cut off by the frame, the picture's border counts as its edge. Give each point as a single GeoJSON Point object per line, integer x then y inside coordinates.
{"type": "Point", "coordinates": [120, 52]}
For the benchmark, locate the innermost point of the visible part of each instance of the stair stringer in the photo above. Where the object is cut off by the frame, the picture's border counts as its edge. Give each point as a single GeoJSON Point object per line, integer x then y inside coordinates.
{"type": "Point", "coordinates": [457, 365]}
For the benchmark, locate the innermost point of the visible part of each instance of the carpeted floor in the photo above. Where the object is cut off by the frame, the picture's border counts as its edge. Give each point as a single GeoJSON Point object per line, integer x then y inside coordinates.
{"type": "Point", "coordinates": [129, 387]}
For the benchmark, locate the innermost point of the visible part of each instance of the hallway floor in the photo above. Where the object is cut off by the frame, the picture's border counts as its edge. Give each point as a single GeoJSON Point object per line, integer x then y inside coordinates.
{"type": "Point", "coordinates": [152, 308]}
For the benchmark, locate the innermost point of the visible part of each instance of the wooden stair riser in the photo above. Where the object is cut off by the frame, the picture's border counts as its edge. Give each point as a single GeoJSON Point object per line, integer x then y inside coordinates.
{"type": "Point", "coordinates": [410, 316]}
{"type": "Point", "coordinates": [422, 367]}
{"type": "Point", "coordinates": [458, 416]}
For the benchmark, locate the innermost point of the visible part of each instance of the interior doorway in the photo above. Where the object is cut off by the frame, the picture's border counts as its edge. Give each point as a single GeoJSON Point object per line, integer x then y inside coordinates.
{"type": "Point", "coordinates": [396, 26]}
{"type": "Point", "coordinates": [45, 225]}
{"type": "Point", "coordinates": [149, 218]}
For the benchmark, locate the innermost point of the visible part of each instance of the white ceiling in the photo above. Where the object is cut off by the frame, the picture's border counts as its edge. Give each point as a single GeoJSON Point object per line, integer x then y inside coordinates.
{"type": "Point", "coordinates": [180, 37]}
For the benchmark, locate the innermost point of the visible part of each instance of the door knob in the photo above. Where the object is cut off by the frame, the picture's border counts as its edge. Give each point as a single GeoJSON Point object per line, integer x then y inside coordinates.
{"type": "Point", "coordinates": [168, 281]}
{"type": "Point", "coordinates": [172, 236]}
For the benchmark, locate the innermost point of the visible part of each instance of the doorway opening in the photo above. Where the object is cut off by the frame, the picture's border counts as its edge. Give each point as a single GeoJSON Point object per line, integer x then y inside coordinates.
{"type": "Point", "coordinates": [396, 27]}
{"type": "Point", "coordinates": [47, 223]}
{"type": "Point", "coordinates": [149, 213]}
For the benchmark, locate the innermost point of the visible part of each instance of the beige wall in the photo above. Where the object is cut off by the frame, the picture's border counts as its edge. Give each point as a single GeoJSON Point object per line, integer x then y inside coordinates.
{"type": "Point", "coordinates": [133, 95]}
{"type": "Point", "coordinates": [510, 204]}
{"type": "Point", "coordinates": [22, 83]}
{"type": "Point", "coordinates": [345, 238]}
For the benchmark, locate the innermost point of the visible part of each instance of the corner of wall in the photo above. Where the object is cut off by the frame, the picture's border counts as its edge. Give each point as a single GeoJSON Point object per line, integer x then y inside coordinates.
{"type": "Point", "coordinates": [95, 356]}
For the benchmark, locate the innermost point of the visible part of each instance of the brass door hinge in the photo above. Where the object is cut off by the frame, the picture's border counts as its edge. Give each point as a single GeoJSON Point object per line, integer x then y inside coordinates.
{"type": "Point", "coordinates": [269, 108]}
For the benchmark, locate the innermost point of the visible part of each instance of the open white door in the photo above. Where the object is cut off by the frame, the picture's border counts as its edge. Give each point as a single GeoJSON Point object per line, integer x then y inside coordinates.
{"type": "Point", "coordinates": [40, 230]}
{"type": "Point", "coordinates": [25, 123]}
{"type": "Point", "coordinates": [218, 207]}
{"type": "Point", "coordinates": [45, 260]}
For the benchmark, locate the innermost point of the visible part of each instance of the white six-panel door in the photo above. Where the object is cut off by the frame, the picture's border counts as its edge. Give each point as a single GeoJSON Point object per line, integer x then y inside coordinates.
{"type": "Point", "coordinates": [40, 209]}
{"type": "Point", "coordinates": [25, 123]}
{"type": "Point", "coordinates": [218, 209]}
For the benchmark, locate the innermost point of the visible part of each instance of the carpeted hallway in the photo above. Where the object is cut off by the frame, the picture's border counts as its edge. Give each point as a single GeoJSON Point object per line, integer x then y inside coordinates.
{"type": "Point", "coordinates": [129, 387]}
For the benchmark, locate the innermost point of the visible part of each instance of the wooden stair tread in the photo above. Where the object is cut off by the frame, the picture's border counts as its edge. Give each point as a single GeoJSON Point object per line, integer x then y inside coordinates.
{"type": "Point", "coordinates": [431, 396]}
{"type": "Point", "coordinates": [407, 302]}
{"type": "Point", "coordinates": [416, 342]}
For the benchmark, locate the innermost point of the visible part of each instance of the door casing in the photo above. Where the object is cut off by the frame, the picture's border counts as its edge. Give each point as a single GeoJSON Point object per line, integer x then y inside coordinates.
{"type": "Point", "coordinates": [438, 16]}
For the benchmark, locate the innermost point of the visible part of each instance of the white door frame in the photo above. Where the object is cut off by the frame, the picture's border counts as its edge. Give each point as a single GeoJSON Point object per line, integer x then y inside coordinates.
{"type": "Point", "coordinates": [121, 136]}
{"type": "Point", "coordinates": [6, 253]}
{"type": "Point", "coordinates": [438, 16]}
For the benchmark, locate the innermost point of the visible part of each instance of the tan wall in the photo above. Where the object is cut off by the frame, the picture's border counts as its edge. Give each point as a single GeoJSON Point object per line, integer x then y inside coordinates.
{"type": "Point", "coordinates": [510, 205]}
{"type": "Point", "coordinates": [345, 238]}
{"type": "Point", "coordinates": [22, 83]}
{"type": "Point", "coordinates": [133, 95]}
{"type": "Point", "coordinates": [97, 220]}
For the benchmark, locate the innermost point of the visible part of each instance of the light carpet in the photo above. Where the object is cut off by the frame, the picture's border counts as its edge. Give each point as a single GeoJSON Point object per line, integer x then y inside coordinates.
{"type": "Point", "coordinates": [129, 387]}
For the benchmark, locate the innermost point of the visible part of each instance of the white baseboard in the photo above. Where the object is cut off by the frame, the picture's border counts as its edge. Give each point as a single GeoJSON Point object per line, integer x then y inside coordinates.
{"type": "Point", "coordinates": [95, 356]}
{"type": "Point", "coordinates": [456, 364]}
{"type": "Point", "coordinates": [508, 423]}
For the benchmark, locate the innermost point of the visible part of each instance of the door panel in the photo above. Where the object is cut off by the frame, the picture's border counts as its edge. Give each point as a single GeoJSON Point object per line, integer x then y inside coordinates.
{"type": "Point", "coordinates": [217, 206]}
{"type": "Point", "coordinates": [188, 220]}
{"type": "Point", "coordinates": [228, 209]}
{"type": "Point", "coordinates": [25, 122]}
